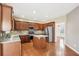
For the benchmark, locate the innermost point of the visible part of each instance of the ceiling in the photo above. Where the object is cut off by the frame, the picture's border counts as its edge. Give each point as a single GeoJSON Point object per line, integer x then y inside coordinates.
{"type": "Point", "coordinates": [42, 11]}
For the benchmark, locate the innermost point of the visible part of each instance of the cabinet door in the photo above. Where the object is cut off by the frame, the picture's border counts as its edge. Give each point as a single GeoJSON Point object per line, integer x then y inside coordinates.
{"type": "Point", "coordinates": [21, 26]}
{"type": "Point", "coordinates": [6, 18]}
{"type": "Point", "coordinates": [0, 49]}
{"type": "Point", "coordinates": [37, 26]}
{"type": "Point", "coordinates": [0, 18]}
{"type": "Point", "coordinates": [26, 25]}
{"type": "Point", "coordinates": [24, 38]}
{"type": "Point", "coordinates": [44, 26]}
{"type": "Point", "coordinates": [16, 25]}
{"type": "Point", "coordinates": [40, 26]}
{"type": "Point", "coordinates": [11, 49]}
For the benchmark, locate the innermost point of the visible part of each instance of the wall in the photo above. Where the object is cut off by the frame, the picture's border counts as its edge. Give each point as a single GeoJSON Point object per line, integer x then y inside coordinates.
{"type": "Point", "coordinates": [59, 21]}
{"type": "Point", "coordinates": [72, 29]}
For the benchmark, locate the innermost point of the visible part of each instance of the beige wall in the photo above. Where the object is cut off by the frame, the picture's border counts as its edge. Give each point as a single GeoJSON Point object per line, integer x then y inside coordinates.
{"type": "Point", "coordinates": [72, 29]}
{"type": "Point", "coordinates": [60, 19]}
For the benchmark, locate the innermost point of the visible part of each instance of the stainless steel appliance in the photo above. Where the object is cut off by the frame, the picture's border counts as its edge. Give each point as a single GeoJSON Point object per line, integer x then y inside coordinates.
{"type": "Point", "coordinates": [50, 32]}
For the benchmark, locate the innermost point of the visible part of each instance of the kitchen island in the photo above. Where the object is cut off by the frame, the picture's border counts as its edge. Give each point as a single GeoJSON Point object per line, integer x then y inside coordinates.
{"type": "Point", "coordinates": [40, 41]}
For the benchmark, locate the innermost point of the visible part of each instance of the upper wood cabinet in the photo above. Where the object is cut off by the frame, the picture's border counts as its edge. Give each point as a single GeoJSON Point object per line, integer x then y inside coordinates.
{"type": "Point", "coordinates": [40, 26]}
{"type": "Point", "coordinates": [19, 25]}
{"type": "Point", "coordinates": [44, 25]}
{"type": "Point", "coordinates": [5, 17]}
{"type": "Point", "coordinates": [50, 24]}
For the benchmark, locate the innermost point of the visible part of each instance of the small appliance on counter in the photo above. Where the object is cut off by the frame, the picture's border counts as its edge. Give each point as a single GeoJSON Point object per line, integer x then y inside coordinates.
{"type": "Point", "coordinates": [31, 33]}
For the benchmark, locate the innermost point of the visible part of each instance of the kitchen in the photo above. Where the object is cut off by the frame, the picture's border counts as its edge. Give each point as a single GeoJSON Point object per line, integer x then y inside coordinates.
{"type": "Point", "coordinates": [14, 31]}
{"type": "Point", "coordinates": [38, 29]}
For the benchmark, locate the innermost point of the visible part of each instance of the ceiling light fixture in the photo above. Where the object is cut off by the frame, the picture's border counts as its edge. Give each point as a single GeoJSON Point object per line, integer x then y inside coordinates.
{"type": "Point", "coordinates": [22, 16]}
{"type": "Point", "coordinates": [34, 11]}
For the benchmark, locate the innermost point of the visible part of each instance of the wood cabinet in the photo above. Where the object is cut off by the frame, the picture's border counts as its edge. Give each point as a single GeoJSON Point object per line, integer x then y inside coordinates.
{"type": "Point", "coordinates": [0, 49]}
{"type": "Point", "coordinates": [0, 18]}
{"type": "Point", "coordinates": [51, 24]}
{"type": "Point", "coordinates": [19, 25]}
{"type": "Point", "coordinates": [40, 43]}
{"type": "Point", "coordinates": [41, 26]}
{"type": "Point", "coordinates": [24, 38]}
{"type": "Point", "coordinates": [36, 26]}
{"type": "Point", "coordinates": [5, 17]}
{"type": "Point", "coordinates": [10, 49]}
{"type": "Point", "coordinates": [44, 26]}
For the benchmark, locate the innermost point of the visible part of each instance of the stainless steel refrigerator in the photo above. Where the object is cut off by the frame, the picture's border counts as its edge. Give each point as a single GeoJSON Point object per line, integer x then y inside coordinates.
{"type": "Point", "coordinates": [50, 31]}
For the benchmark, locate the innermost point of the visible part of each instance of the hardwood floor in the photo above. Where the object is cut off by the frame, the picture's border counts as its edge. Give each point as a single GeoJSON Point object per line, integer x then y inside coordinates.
{"type": "Point", "coordinates": [53, 49]}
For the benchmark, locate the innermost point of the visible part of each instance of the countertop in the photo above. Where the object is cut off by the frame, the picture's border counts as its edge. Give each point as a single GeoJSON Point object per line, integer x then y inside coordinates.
{"type": "Point", "coordinates": [40, 36]}
{"type": "Point", "coordinates": [13, 38]}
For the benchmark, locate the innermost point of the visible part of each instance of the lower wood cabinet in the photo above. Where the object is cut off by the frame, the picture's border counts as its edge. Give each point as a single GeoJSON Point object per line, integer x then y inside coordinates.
{"type": "Point", "coordinates": [40, 43]}
{"type": "Point", "coordinates": [0, 49]}
{"type": "Point", "coordinates": [24, 38]}
{"type": "Point", "coordinates": [10, 49]}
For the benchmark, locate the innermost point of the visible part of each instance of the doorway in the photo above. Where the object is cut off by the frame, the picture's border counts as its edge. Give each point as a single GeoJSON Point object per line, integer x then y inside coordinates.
{"type": "Point", "coordinates": [59, 31]}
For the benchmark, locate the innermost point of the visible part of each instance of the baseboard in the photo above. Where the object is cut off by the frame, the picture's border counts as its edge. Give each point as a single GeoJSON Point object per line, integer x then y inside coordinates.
{"type": "Point", "coordinates": [72, 48]}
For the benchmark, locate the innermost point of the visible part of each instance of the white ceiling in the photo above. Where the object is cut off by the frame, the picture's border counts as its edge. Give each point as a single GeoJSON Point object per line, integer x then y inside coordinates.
{"type": "Point", "coordinates": [42, 11]}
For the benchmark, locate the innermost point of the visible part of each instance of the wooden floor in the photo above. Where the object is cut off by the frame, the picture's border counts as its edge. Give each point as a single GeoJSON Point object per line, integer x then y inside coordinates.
{"type": "Point", "coordinates": [53, 49]}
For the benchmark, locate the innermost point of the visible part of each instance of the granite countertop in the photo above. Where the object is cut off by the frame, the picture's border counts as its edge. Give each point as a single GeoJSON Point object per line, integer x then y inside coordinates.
{"type": "Point", "coordinates": [12, 39]}
{"type": "Point", "coordinates": [15, 36]}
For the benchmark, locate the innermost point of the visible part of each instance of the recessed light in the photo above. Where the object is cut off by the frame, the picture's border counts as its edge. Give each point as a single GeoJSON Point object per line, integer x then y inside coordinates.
{"type": "Point", "coordinates": [34, 11]}
{"type": "Point", "coordinates": [22, 16]}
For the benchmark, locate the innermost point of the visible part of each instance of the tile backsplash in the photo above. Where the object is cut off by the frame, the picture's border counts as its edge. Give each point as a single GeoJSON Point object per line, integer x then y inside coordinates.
{"type": "Point", "coordinates": [19, 32]}
{"type": "Point", "coordinates": [39, 32]}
